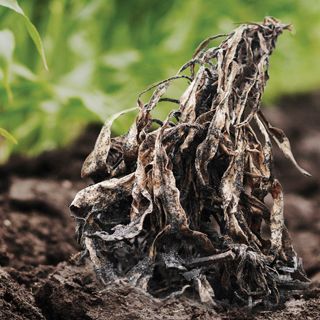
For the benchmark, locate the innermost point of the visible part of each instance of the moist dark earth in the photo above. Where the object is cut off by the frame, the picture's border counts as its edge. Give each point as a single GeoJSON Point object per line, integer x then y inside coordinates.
{"type": "Point", "coordinates": [43, 277]}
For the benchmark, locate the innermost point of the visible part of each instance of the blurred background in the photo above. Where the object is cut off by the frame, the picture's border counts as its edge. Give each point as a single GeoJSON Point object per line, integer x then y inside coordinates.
{"type": "Point", "coordinates": [101, 54]}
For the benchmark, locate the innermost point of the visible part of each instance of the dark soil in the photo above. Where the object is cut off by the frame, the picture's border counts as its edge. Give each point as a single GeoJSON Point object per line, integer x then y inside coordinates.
{"type": "Point", "coordinates": [40, 273]}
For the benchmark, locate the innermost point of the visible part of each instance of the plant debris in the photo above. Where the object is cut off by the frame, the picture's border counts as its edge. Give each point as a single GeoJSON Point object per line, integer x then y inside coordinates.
{"type": "Point", "coordinates": [179, 206]}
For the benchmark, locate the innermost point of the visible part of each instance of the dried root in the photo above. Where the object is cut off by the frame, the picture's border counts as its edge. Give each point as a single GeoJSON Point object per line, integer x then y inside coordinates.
{"type": "Point", "coordinates": [180, 208]}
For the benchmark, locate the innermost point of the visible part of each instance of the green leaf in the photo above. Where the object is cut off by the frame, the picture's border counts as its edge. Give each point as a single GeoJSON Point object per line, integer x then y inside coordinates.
{"type": "Point", "coordinates": [6, 54]}
{"type": "Point", "coordinates": [8, 136]}
{"type": "Point", "coordinates": [34, 34]}
{"type": "Point", "coordinates": [13, 5]}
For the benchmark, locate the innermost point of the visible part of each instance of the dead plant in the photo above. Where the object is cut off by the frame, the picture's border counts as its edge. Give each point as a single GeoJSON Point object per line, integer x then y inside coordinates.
{"type": "Point", "coordinates": [180, 208]}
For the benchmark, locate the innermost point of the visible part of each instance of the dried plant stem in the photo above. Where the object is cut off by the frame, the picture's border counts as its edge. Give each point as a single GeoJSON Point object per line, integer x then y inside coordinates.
{"type": "Point", "coordinates": [180, 208]}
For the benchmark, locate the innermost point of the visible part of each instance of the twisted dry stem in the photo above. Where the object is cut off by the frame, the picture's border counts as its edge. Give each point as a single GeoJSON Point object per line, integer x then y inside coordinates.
{"type": "Point", "coordinates": [179, 206]}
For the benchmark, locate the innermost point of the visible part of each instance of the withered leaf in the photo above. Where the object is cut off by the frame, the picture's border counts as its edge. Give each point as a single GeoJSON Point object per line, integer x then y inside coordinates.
{"type": "Point", "coordinates": [179, 206]}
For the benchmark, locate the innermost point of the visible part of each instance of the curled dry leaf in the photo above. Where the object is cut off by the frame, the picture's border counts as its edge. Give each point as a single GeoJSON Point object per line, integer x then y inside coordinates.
{"type": "Point", "coordinates": [180, 208]}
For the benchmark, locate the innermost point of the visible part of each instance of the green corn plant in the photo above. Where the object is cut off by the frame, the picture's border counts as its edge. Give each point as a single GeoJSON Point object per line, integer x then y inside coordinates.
{"type": "Point", "coordinates": [6, 53]}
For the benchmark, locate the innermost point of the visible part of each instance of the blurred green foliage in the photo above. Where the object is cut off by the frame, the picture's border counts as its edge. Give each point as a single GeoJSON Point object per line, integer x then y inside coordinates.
{"type": "Point", "coordinates": [101, 54]}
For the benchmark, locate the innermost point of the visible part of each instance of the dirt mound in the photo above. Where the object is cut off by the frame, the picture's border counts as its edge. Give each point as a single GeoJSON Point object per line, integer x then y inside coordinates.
{"type": "Point", "coordinates": [40, 280]}
{"type": "Point", "coordinates": [16, 302]}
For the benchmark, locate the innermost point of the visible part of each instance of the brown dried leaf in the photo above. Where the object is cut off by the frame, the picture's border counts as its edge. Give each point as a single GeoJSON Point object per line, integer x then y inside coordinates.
{"type": "Point", "coordinates": [181, 207]}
